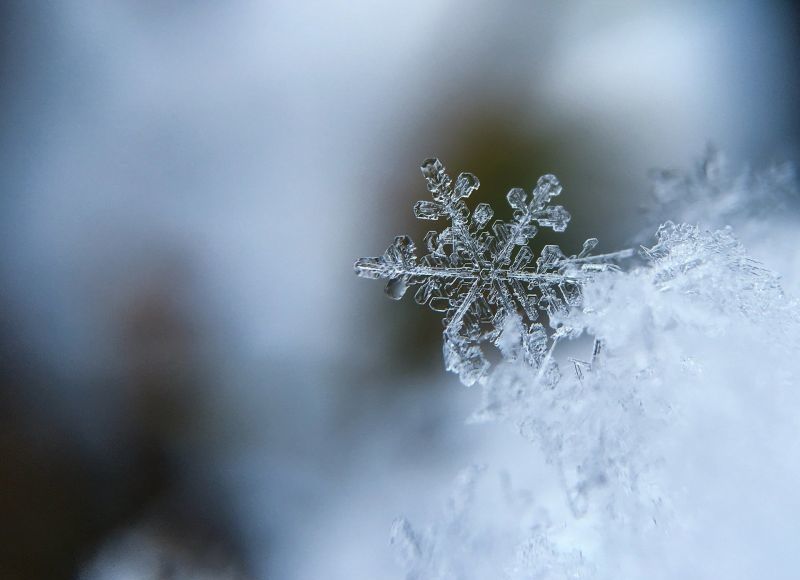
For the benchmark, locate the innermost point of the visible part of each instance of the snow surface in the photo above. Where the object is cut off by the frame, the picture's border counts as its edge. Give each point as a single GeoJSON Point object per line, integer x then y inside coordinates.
{"type": "Point", "coordinates": [670, 449]}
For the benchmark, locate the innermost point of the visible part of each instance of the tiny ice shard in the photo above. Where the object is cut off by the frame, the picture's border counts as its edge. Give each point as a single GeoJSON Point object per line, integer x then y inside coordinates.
{"type": "Point", "coordinates": [480, 277]}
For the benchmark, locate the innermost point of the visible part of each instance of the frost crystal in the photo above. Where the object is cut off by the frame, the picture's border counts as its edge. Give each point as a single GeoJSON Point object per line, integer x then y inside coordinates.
{"type": "Point", "coordinates": [484, 279]}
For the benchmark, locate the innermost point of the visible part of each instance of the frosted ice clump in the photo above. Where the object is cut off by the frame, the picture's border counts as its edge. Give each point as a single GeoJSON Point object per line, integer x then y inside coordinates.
{"type": "Point", "coordinates": [484, 279]}
{"type": "Point", "coordinates": [760, 204]}
{"type": "Point", "coordinates": [689, 347]}
{"type": "Point", "coordinates": [672, 442]}
{"type": "Point", "coordinates": [469, 538]}
{"type": "Point", "coordinates": [589, 424]}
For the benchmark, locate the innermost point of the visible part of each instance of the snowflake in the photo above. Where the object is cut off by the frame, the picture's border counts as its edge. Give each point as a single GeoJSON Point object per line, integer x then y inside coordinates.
{"type": "Point", "coordinates": [482, 278]}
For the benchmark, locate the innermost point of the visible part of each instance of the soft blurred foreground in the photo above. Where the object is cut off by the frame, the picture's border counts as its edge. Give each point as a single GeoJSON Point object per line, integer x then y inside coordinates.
{"type": "Point", "coordinates": [194, 384]}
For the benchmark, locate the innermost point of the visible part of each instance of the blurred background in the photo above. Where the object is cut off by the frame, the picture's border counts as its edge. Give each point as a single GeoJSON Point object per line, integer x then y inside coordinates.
{"type": "Point", "coordinates": [193, 382]}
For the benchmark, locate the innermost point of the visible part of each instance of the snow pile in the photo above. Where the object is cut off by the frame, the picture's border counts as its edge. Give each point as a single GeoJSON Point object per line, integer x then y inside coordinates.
{"type": "Point", "coordinates": [673, 444]}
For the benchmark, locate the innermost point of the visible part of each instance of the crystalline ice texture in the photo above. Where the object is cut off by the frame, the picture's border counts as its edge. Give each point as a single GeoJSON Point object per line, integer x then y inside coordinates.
{"type": "Point", "coordinates": [480, 276]}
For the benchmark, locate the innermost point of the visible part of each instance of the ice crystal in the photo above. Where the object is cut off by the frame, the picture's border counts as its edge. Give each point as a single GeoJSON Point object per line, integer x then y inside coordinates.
{"type": "Point", "coordinates": [484, 279]}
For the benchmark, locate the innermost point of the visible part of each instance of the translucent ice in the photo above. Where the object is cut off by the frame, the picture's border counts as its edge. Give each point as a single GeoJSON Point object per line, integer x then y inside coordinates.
{"type": "Point", "coordinates": [481, 276]}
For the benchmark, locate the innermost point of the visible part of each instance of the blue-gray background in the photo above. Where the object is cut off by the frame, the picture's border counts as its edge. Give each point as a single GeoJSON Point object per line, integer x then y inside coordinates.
{"type": "Point", "coordinates": [186, 353]}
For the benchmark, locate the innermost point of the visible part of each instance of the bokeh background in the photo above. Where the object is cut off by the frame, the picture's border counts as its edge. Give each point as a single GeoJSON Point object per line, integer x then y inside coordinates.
{"type": "Point", "coordinates": [193, 383]}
